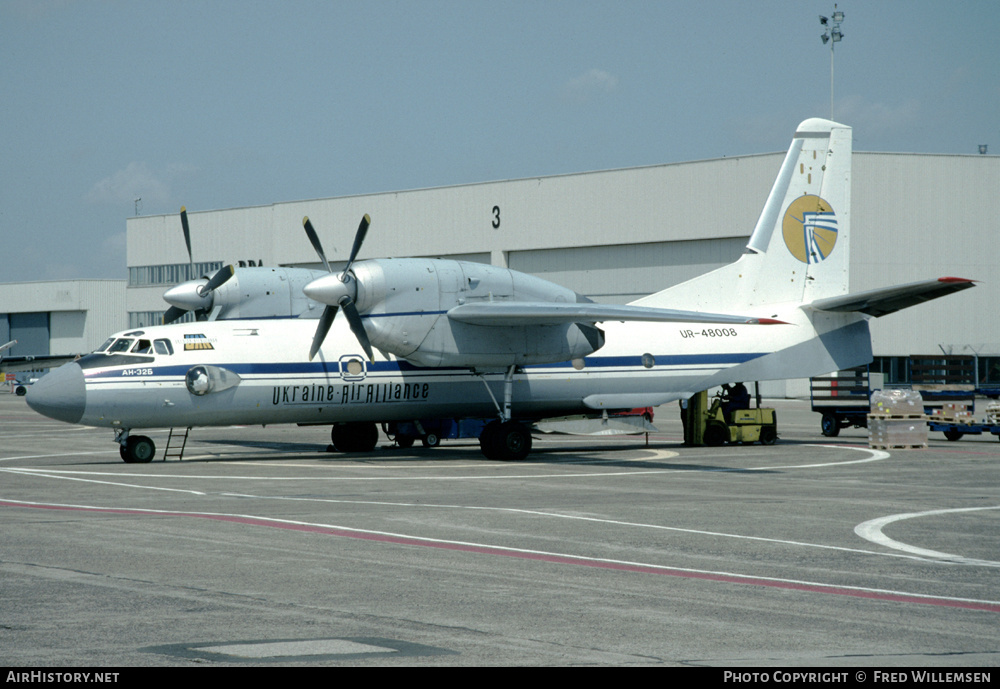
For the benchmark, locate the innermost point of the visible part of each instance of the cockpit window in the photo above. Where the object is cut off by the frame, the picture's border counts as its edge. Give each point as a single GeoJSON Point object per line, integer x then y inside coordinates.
{"type": "Point", "coordinates": [105, 345]}
{"type": "Point", "coordinates": [121, 345]}
{"type": "Point", "coordinates": [163, 347]}
{"type": "Point", "coordinates": [143, 347]}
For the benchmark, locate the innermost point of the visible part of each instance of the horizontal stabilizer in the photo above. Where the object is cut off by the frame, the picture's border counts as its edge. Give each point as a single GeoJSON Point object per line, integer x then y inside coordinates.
{"type": "Point", "coordinates": [510, 313]}
{"type": "Point", "coordinates": [886, 300]}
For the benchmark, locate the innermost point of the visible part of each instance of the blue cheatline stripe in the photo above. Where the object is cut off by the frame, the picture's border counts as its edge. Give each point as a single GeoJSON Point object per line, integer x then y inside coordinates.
{"type": "Point", "coordinates": [332, 368]}
{"type": "Point", "coordinates": [404, 313]}
{"type": "Point", "coordinates": [300, 316]}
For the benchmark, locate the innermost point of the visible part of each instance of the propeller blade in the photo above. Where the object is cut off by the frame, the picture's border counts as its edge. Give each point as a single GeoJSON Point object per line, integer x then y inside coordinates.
{"type": "Point", "coordinates": [325, 321]}
{"type": "Point", "coordinates": [314, 240]}
{"type": "Point", "coordinates": [187, 232]}
{"type": "Point", "coordinates": [359, 238]}
{"type": "Point", "coordinates": [357, 327]}
{"type": "Point", "coordinates": [172, 314]}
{"type": "Point", "coordinates": [219, 279]}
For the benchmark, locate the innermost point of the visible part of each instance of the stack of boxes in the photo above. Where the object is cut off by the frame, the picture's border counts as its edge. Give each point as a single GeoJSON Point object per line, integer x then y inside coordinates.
{"type": "Point", "coordinates": [953, 412]}
{"type": "Point", "coordinates": [993, 413]}
{"type": "Point", "coordinates": [897, 420]}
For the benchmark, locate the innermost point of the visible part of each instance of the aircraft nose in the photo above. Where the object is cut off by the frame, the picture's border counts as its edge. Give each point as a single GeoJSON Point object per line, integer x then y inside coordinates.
{"type": "Point", "coordinates": [60, 394]}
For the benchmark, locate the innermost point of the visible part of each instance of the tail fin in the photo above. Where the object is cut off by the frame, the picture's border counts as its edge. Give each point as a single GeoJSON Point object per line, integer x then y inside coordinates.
{"type": "Point", "coordinates": [799, 251]}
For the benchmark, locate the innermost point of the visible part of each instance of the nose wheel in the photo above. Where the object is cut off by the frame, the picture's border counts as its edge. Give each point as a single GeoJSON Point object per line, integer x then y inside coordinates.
{"type": "Point", "coordinates": [137, 449]}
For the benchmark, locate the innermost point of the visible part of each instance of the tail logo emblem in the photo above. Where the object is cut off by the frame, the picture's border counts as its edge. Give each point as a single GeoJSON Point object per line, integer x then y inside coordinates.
{"type": "Point", "coordinates": [810, 229]}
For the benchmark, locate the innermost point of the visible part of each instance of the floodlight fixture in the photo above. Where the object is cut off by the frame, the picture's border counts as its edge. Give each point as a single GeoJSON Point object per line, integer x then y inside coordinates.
{"type": "Point", "coordinates": [834, 33]}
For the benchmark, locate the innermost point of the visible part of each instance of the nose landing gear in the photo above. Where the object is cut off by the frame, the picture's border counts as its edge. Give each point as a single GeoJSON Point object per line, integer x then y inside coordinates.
{"type": "Point", "coordinates": [135, 449]}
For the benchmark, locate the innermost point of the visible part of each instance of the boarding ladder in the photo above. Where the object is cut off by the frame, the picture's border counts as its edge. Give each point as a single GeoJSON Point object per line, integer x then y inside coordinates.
{"type": "Point", "coordinates": [176, 442]}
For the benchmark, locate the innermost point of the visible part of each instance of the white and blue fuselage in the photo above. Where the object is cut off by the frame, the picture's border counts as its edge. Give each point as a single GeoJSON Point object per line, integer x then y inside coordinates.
{"type": "Point", "coordinates": [257, 372]}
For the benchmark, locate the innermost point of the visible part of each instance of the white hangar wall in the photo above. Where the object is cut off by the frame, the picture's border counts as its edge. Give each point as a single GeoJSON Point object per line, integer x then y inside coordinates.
{"type": "Point", "coordinates": [606, 221]}
{"type": "Point", "coordinates": [619, 234]}
{"type": "Point", "coordinates": [927, 216]}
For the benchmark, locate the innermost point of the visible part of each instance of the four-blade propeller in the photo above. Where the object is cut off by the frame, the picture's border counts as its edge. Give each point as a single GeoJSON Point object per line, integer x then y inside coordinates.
{"type": "Point", "coordinates": [338, 292]}
{"type": "Point", "coordinates": [193, 295]}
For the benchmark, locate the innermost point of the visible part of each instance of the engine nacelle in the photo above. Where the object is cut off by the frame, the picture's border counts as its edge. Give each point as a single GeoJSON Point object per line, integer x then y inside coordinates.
{"type": "Point", "coordinates": [266, 293]}
{"type": "Point", "coordinates": [405, 304]}
{"type": "Point", "coordinates": [451, 343]}
{"type": "Point", "coordinates": [250, 293]}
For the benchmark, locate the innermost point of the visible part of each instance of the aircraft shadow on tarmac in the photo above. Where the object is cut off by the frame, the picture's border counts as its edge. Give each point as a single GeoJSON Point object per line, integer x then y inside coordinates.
{"type": "Point", "coordinates": [582, 455]}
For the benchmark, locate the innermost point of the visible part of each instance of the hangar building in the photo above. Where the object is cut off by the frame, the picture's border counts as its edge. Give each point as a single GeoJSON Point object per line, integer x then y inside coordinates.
{"type": "Point", "coordinates": [60, 317]}
{"type": "Point", "coordinates": [617, 235]}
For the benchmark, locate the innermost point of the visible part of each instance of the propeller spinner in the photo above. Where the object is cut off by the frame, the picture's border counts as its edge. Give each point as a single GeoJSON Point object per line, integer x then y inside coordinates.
{"type": "Point", "coordinates": [337, 291]}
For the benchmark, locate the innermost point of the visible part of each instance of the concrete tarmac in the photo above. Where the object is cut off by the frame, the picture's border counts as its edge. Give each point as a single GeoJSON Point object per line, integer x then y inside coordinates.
{"type": "Point", "coordinates": [262, 548]}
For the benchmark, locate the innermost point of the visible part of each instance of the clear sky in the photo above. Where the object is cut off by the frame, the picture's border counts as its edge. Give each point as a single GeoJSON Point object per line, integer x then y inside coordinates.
{"type": "Point", "coordinates": [221, 104]}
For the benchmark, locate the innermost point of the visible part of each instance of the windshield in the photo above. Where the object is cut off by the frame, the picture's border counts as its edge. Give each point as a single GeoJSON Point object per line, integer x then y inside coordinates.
{"type": "Point", "coordinates": [122, 344]}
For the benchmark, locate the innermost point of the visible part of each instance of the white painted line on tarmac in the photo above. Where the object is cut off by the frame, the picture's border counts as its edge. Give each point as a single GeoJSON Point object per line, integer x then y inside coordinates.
{"type": "Point", "coordinates": [540, 555]}
{"type": "Point", "coordinates": [871, 530]}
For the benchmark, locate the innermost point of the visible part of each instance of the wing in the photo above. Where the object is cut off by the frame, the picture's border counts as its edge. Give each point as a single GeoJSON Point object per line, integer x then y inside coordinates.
{"type": "Point", "coordinates": [886, 300]}
{"type": "Point", "coordinates": [513, 313]}
{"type": "Point", "coordinates": [33, 363]}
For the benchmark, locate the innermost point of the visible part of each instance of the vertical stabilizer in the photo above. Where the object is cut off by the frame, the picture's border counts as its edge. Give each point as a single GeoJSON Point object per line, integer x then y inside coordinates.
{"type": "Point", "coordinates": [799, 249]}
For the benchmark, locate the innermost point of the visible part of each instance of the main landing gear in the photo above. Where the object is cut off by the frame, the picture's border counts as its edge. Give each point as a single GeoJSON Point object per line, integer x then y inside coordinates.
{"type": "Point", "coordinates": [354, 437]}
{"type": "Point", "coordinates": [504, 439]}
{"type": "Point", "coordinates": [135, 449]}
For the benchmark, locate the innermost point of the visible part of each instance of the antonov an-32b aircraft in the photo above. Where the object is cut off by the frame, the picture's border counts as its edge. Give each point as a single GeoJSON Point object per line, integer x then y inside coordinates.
{"type": "Point", "coordinates": [467, 340]}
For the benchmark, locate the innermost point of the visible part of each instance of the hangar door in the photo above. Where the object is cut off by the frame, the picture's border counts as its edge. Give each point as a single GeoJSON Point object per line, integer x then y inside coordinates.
{"type": "Point", "coordinates": [31, 330]}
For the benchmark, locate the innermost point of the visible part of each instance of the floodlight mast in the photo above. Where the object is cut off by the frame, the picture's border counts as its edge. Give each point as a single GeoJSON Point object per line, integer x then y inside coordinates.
{"type": "Point", "coordinates": [832, 35]}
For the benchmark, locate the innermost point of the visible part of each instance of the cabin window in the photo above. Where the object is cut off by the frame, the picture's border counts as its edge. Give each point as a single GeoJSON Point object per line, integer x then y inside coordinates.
{"type": "Point", "coordinates": [163, 347]}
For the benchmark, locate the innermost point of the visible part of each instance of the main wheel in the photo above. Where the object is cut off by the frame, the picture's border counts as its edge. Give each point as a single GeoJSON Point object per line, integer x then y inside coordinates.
{"type": "Point", "coordinates": [830, 425]}
{"type": "Point", "coordinates": [138, 449]}
{"type": "Point", "coordinates": [507, 442]}
{"type": "Point", "coordinates": [354, 437]}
